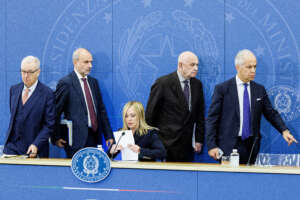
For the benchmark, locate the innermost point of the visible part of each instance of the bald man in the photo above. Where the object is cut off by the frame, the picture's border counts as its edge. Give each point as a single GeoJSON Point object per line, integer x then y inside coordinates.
{"type": "Point", "coordinates": [176, 107]}
{"type": "Point", "coordinates": [234, 116]}
{"type": "Point", "coordinates": [79, 98]}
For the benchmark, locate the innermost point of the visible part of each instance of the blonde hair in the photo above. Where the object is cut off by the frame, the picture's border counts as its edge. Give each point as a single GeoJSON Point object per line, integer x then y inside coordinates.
{"type": "Point", "coordinates": [140, 113]}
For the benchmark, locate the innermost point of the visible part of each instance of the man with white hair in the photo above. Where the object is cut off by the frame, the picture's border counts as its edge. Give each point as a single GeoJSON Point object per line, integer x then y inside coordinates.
{"type": "Point", "coordinates": [176, 107]}
{"type": "Point", "coordinates": [234, 116]}
{"type": "Point", "coordinates": [32, 107]}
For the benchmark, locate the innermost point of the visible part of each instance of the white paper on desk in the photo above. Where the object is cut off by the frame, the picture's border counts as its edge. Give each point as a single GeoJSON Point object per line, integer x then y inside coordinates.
{"type": "Point", "coordinates": [127, 138]}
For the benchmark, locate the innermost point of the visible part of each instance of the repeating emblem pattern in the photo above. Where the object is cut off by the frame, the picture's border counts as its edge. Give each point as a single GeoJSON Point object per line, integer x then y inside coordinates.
{"type": "Point", "coordinates": [285, 101]}
{"type": "Point", "coordinates": [90, 165]}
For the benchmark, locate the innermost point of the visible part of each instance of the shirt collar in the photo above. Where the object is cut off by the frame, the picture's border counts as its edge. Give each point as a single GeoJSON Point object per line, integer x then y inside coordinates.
{"type": "Point", "coordinates": [181, 78]}
{"type": "Point", "coordinates": [32, 88]}
{"type": "Point", "coordinates": [79, 75]}
{"type": "Point", "coordinates": [239, 81]}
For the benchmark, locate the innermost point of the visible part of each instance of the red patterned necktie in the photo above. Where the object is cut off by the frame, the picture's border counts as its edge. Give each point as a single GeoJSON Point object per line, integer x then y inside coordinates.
{"type": "Point", "coordinates": [25, 95]}
{"type": "Point", "coordinates": [90, 104]}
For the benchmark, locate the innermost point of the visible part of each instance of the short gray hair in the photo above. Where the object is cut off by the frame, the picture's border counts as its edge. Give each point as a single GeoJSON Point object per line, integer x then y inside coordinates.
{"type": "Point", "coordinates": [185, 54]}
{"type": "Point", "coordinates": [240, 56]}
{"type": "Point", "coordinates": [77, 53]}
{"type": "Point", "coordinates": [31, 59]}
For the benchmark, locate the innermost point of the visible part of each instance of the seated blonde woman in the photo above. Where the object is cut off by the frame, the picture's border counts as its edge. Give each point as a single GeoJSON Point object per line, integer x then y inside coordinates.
{"type": "Point", "coordinates": [147, 143]}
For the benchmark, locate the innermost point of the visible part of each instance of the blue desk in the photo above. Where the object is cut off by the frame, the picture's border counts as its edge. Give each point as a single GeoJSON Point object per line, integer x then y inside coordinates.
{"type": "Point", "coordinates": [52, 179]}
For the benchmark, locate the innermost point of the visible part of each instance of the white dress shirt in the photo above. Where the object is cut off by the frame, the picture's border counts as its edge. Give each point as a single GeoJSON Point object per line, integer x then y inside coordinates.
{"type": "Point", "coordinates": [31, 89]}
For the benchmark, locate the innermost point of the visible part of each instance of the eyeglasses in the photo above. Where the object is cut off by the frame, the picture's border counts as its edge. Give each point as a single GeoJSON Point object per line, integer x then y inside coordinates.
{"type": "Point", "coordinates": [29, 72]}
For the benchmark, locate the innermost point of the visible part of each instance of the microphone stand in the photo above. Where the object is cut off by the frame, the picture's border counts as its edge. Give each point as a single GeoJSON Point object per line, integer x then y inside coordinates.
{"type": "Point", "coordinates": [114, 151]}
{"type": "Point", "coordinates": [248, 162]}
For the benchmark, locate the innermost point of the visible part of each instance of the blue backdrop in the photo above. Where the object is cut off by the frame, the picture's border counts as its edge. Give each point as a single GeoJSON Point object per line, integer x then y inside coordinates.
{"type": "Point", "coordinates": [136, 41]}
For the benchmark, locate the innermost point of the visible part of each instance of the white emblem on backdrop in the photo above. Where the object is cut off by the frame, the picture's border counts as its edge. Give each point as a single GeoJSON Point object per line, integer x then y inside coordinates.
{"type": "Point", "coordinates": [286, 101]}
{"type": "Point", "coordinates": [157, 30]}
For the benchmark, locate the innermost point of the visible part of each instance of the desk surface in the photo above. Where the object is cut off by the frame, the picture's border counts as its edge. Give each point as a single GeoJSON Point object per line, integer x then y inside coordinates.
{"type": "Point", "coordinates": [160, 166]}
{"type": "Point", "coordinates": [52, 178]}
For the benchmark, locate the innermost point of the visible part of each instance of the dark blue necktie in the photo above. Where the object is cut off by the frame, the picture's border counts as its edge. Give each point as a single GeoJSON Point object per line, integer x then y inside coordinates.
{"type": "Point", "coordinates": [246, 115]}
{"type": "Point", "coordinates": [186, 91]}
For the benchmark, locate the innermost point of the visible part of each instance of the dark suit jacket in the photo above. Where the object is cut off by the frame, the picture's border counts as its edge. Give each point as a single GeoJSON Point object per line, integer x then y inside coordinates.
{"type": "Point", "coordinates": [223, 120]}
{"type": "Point", "coordinates": [39, 117]}
{"type": "Point", "coordinates": [167, 109]}
{"type": "Point", "coordinates": [70, 101]}
{"type": "Point", "coordinates": [152, 148]}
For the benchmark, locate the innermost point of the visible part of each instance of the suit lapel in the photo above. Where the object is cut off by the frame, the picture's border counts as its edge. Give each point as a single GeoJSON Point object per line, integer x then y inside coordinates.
{"type": "Point", "coordinates": [252, 99]}
{"type": "Point", "coordinates": [78, 89]}
{"type": "Point", "coordinates": [235, 97]}
{"type": "Point", "coordinates": [178, 90]}
{"type": "Point", "coordinates": [193, 92]}
{"type": "Point", "coordinates": [15, 98]}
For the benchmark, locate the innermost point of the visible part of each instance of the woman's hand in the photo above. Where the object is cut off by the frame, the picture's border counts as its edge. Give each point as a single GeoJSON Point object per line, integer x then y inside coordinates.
{"type": "Point", "coordinates": [134, 148]}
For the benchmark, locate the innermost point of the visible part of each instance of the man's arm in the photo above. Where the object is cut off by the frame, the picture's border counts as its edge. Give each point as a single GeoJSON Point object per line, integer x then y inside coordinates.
{"type": "Point", "coordinates": [106, 128]}
{"type": "Point", "coordinates": [154, 100]}
{"type": "Point", "coordinates": [48, 122]}
{"type": "Point", "coordinates": [61, 99]}
{"type": "Point", "coordinates": [271, 114]}
{"type": "Point", "coordinates": [213, 118]}
{"type": "Point", "coordinates": [199, 132]}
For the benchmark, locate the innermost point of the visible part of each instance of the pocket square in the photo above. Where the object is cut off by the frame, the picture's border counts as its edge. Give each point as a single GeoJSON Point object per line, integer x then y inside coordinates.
{"type": "Point", "coordinates": [258, 99]}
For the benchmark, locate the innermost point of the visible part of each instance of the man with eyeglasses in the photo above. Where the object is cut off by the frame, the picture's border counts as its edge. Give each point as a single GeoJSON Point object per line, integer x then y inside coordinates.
{"type": "Point", "coordinates": [176, 107]}
{"type": "Point", "coordinates": [32, 107]}
{"type": "Point", "coordinates": [234, 116]}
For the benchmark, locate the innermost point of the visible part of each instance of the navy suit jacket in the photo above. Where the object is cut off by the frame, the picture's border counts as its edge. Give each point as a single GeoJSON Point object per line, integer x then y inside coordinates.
{"type": "Point", "coordinates": [223, 120]}
{"type": "Point", "coordinates": [168, 110]}
{"type": "Point", "coordinates": [39, 117]}
{"type": "Point", "coordinates": [70, 101]}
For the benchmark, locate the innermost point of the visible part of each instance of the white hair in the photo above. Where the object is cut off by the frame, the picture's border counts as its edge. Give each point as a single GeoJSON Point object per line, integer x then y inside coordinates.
{"type": "Point", "coordinates": [241, 55]}
{"type": "Point", "coordinates": [183, 56]}
{"type": "Point", "coordinates": [77, 53]}
{"type": "Point", "coordinates": [31, 59]}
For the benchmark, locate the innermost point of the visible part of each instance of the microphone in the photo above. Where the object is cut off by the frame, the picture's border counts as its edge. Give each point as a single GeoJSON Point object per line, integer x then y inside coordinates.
{"type": "Point", "coordinates": [114, 151]}
{"type": "Point", "coordinates": [248, 162]}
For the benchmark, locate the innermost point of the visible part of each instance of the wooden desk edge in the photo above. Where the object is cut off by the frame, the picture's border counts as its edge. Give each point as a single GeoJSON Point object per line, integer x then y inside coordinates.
{"type": "Point", "coordinates": [160, 166]}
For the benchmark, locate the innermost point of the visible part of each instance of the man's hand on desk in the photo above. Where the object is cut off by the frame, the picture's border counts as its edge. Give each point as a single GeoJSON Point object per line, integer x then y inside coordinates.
{"type": "Point", "coordinates": [214, 153]}
{"type": "Point", "coordinates": [60, 143]}
{"type": "Point", "coordinates": [198, 147]}
{"type": "Point", "coordinates": [32, 151]}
